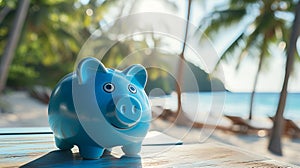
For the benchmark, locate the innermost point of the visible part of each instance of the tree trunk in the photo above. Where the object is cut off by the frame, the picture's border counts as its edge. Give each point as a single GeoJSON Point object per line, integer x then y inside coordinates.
{"type": "Point", "coordinates": [181, 119]}
{"type": "Point", "coordinates": [264, 45]}
{"type": "Point", "coordinates": [254, 87]}
{"type": "Point", "coordinates": [12, 41]}
{"type": "Point", "coordinates": [275, 138]}
{"type": "Point", "coordinates": [4, 12]}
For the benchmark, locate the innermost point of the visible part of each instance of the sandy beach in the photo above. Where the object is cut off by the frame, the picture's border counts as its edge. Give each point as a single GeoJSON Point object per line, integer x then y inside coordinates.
{"type": "Point", "coordinates": [24, 111]}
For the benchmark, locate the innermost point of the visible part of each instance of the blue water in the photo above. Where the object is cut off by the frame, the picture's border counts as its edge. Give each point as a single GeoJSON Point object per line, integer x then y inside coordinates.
{"type": "Point", "coordinates": [238, 104]}
{"type": "Point", "coordinates": [265, 104]}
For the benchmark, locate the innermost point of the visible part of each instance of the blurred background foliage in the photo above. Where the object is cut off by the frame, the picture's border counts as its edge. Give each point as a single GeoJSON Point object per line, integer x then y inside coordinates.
{"type": "Point", "coordinates": [54, 32]}
{"type": "Point", "coordinates": [266, 26]}
{"type": "Point", "coordinates": [51, 38]}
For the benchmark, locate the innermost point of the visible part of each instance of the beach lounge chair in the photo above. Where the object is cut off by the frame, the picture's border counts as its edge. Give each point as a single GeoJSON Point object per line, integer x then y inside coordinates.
{"type": "Point", "coordinates": [211, 122]}
{"type": "Point", "coordinates": [291, 128]}
{"type": "Point", "coordinates": [214, 123]}
{"type": "Point", "coordinates": [162, 113]}
{"type": "Point", "coordinates": [241, 125]}
{"type": "Point", "coordinates": [41, 93]}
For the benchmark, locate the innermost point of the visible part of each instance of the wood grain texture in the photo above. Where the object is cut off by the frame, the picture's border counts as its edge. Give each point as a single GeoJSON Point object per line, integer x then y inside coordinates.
{"type": "Point", "coordinates": [38, 150]}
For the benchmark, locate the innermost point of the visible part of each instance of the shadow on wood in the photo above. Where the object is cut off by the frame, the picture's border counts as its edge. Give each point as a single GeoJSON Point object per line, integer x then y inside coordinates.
{"type": "Point", "coordinates": [60, 158]}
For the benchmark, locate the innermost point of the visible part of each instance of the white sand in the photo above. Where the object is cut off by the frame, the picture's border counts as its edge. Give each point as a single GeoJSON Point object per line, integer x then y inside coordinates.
{"type": "Point", "coordinates": [28, 112]}
{"type": "Point", "coordinates": [24, 111]}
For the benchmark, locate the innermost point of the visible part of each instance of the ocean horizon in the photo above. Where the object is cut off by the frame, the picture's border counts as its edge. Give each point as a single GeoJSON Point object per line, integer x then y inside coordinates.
{"type": "Point", "coordinates": [232, 103]}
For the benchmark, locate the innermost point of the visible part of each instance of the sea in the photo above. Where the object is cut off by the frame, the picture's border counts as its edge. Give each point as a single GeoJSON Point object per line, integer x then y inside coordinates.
{"type": "Point", "coordinates": [230, 103]}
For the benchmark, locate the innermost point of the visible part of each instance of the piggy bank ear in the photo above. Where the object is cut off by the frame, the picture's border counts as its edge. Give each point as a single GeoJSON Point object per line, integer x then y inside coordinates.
{"type": "Point", "coordinates": [138, 72]}
{"type": "Point", "coordinates": [87, 66]}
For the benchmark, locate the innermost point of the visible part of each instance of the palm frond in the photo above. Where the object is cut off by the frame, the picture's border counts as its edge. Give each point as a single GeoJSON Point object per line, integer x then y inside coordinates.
{"type": "Point", "coordinates": [218, 19]}
{"type": "Point", "coordinates": [297, 55]}
{"type": "Point", "coordinates": [234, 3]}
{"type": "Point", "coordinates": [230, 49]}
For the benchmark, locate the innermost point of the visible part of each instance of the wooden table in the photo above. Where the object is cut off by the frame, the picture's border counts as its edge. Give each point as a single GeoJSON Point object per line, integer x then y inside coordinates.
{"type": "Point", "coordinates": [34, 147]}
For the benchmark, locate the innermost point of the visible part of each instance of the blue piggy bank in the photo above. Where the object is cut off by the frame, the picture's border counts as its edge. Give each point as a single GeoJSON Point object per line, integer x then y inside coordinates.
{"type": "Point", "coordinates": [97, 108]}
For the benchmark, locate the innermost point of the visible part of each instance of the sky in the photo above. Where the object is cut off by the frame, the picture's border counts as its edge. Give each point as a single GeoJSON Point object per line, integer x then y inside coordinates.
{"type": "Point", "coordinates": [271, 78]}
{"type": "Point", "coordinates": [241, 80]}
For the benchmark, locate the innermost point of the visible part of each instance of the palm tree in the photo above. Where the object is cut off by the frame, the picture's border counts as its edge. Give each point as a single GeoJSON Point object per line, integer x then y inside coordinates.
{"type": "Point", "coordinates": [46, 38]}
{"type": "Point", "coordinates": [49, 38]}
{"type": "Point", "coordinates": [275, 138]}
{"type": "Point", "coordinates": [263, 29]}
{"type": "Point", "coordinates": [181, 119]}
{"type": "Point", "coordinates": [13, 41]}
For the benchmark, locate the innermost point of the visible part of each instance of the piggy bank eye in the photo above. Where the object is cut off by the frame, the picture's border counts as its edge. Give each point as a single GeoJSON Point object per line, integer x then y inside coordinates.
{"type": "Point", "coordinates": [131, 88]}
{"type": "Point", "coordinates": [109, 87]}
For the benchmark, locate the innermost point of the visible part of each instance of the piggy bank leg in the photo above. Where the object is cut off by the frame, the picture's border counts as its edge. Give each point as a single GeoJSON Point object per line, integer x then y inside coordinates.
{"type": "Point", "coordinates": [90, 152]}
{"type": "Point", "coordinates": [62, 144]}
{"type": "Point", "coordinates": [132, 150]}
{"type": "Point", "coordinates": [107, 151]}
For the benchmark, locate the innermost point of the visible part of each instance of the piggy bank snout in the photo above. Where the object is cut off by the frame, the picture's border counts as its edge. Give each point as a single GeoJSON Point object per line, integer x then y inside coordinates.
{"type": "Point", "coordinates": [128, 112]}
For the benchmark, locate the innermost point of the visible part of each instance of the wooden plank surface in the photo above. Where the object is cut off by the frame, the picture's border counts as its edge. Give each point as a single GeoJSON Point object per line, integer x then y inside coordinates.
{"type": "Point", "coordinates": [38, 150]}
{"type": "Point", "coordinates": [25, 130]}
